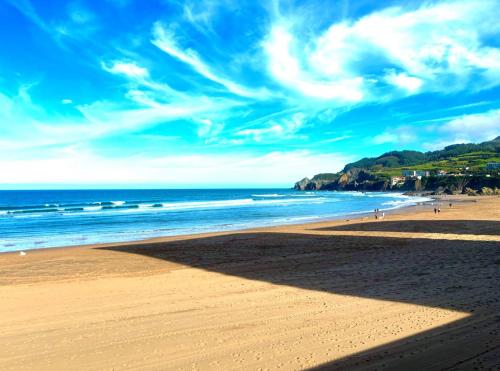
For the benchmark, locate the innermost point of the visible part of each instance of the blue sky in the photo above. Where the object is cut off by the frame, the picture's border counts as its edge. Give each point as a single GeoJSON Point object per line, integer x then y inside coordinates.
{"type": "Point", "coordinates": [236, 93]}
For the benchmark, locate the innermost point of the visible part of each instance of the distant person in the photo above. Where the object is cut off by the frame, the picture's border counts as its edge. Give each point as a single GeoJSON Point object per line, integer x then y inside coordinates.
{"type": "Point", "coordinates": [439, 209]}
{"type": "Point", "coordinates": [435, 211]}
{"type": "Point", "coordinates": [383, 215]}
{"type": "Point", "coordinates": [450, 204]}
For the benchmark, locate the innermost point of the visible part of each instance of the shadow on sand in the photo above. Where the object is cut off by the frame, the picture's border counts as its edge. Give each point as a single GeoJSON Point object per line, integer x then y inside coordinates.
{"type": "Point", "coordinates": [457, 275]}
{"type": "Point", "coordinates": [486, 227]}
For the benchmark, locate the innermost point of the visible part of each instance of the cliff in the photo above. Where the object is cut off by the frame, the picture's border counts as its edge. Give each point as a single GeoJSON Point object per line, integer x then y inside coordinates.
{"type": "Point", "coordinates": [460, 168]}
{"type": "Point", "coordinates": [361, 180]}
{"type": "Point", "coordinates": [353, 179]}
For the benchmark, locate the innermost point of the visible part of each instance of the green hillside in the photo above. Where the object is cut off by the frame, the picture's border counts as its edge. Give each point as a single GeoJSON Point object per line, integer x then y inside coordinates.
{"type": "Point", "coordinates": [452, 159]}
{"type": "Point", "coordinates": [460, 168]}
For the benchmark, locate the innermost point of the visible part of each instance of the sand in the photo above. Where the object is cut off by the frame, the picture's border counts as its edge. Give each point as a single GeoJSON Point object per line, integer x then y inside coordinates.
{"type": "Point", "coordinates": [413, 291]}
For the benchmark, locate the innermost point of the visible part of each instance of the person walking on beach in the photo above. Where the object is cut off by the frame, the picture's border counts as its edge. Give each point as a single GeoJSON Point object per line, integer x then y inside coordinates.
{"type": "Point", "coordinates": [435, 211]}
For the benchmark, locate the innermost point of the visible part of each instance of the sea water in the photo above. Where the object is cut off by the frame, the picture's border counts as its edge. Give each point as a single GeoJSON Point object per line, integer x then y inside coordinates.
{"type": "Point", "coordinates": [39, 219]}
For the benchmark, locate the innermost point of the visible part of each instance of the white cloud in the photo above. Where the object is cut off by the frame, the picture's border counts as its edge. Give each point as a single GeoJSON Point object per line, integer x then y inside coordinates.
{"type": "Point", "coordinates": [82, 167]}
{"type": "Point", "coordinates": [438, 47]}
{"type": "Point", "coordinates": [129, 69]}
{"type": "Point", "coordinates": [66, 101]}
{"type": "Point", "coordinates": [402, 80]}
{"type": "Point", "coordinates": [472, 128]}
{"type": "Point", "coordinates": [286, 69]}
{"type": "Point", "coordinates": [400, 135]}
{"type": "Point", "coordinates": [386, 137]}
{"type": "Point", "coordinates": [144, 89]}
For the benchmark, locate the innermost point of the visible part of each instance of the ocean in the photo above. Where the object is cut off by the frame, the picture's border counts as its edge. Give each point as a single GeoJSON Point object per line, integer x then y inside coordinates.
{"type": "Point", "coordinates": [40, 219]}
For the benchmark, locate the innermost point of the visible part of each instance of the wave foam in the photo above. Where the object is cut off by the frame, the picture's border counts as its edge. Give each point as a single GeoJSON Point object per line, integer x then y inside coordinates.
{"type": "Point", "coordinates": [271, 195]}
{"type": "Point", "coordinates": [206, 204]}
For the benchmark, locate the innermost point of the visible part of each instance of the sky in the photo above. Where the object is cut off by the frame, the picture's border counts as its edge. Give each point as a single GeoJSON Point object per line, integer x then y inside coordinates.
{"type": "Point", "coordinates": [159, 93]}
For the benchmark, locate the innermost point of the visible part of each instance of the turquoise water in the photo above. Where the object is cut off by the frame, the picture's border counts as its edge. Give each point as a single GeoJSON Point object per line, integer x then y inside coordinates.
{"type": "Point", "coordinates": [39, 219]}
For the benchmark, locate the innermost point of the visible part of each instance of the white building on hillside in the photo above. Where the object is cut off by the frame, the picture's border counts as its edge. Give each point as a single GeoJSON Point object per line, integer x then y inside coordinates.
{"type": "Point", "coordinates": [415, 173]}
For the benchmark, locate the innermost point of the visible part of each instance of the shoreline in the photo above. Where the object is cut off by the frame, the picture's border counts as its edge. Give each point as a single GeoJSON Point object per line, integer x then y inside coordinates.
{"type": "Point", "coordinates": [355, 216]}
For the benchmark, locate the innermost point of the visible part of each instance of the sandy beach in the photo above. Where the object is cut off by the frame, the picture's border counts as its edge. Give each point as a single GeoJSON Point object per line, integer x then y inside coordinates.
{"type": "Point", "coordinates": [413, 291]}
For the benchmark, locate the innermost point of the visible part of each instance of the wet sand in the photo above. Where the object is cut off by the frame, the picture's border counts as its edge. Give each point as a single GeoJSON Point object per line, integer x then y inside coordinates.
{"type": "Point", "coordinates": [413, 291]}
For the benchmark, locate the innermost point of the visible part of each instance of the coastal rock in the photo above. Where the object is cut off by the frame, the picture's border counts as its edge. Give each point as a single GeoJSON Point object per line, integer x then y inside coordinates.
{"type": "Point", "coordinates": [356, 179]}
{"type": "Point", "coordinates": [302, 185]}
{"type": "Point", "coordinates": [470, 192]}
{"type": "Point", "coordinates": [486, 191]}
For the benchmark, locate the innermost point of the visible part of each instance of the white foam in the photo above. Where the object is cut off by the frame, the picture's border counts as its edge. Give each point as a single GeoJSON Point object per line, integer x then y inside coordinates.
{"type": "Point", "coordinates": [206, 204]}
{"type": "Point", "coordinates": [393, 195]}
{"type": "Point", "coordinates": [269, 195]}
{"type": "Point", "coordinates": [236, 203]}
{"type": "Point", "coordinates": [118, 203]}
{"type": "Point", "coordinates": [407, 201]}
{"type": "Point", "coordinates": [398, 202]}
{"type": "Point", "coordinates": [92, 208]}
{"type": "Point", "coordinates": [296, 200]}
{"type": "Point", "coordinates": [295, 219]}
{"type": "Point", "coordinates": [352, 193]}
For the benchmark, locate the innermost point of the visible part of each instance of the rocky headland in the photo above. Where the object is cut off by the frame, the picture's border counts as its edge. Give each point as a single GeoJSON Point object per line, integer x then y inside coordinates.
{"type": "Point", "coordinates": [459, 169]}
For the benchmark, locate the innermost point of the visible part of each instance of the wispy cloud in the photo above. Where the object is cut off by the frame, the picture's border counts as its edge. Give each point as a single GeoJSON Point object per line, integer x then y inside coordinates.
{"type": "Point", "coordinates": [336, 139]}
{"type": "Point", "coordinates": [437, 47]}
{"type": "Point", "coordinates": [165, 40]}
{"type": "Point", "coordinates": [285, 68]}
{"type": "Point", "coordinates": [29, 11]}
{"type": "Point", "coordinates": [209, 131]}
{"type": "Point", "coordinates": [25, 124]}
{"type": "Point", "coordinates": [80, 14]}
{"type": "Point", "coordinates": [286, 128]}
{"type": "Point", "coordinates": [401, 135]}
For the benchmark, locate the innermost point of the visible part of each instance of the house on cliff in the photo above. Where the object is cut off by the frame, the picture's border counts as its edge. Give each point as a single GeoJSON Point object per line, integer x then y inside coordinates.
{"type": "Point", "coordinates": [415, 173]}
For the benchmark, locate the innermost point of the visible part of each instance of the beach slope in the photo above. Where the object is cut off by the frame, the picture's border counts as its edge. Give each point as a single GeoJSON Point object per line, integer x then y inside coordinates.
{"type": "Point", "coordinates": [416, 290]}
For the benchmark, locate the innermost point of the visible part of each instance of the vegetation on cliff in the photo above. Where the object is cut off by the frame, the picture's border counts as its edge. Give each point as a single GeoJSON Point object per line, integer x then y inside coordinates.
{"type": "Point", "coordinates": [454, 169]}
{"type": "Point", "coordinates": [452, 158]}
